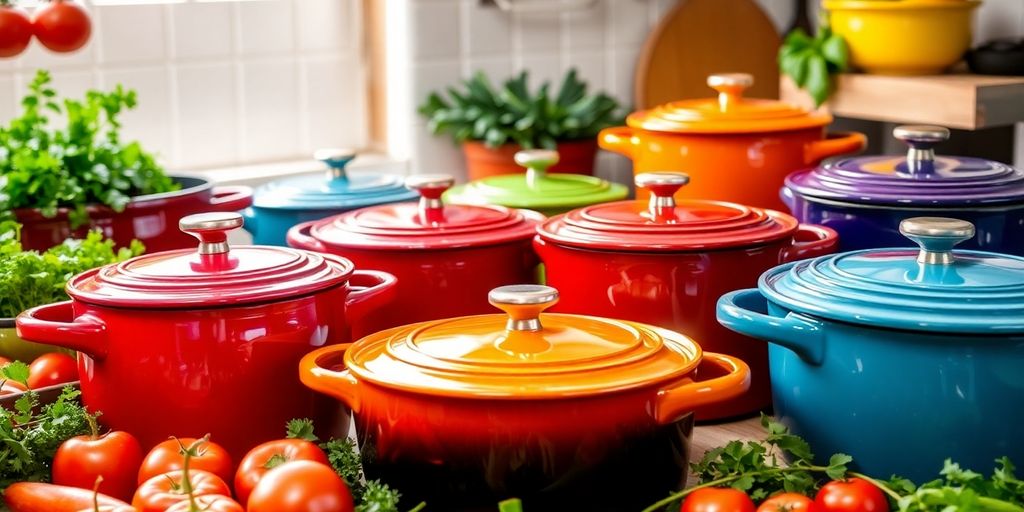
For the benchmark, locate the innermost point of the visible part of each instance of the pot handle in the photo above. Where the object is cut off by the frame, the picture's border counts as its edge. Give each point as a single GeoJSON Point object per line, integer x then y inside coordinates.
{"type": "Point", "coordinates": [340, 384]}
{"type": "Point", "coordinates": [231, 198]}
{"type": "Point", "coordinates": [786, 195]}
{"type": "Point", "coordinates": [250, 220]}
{"type": "Point", "coordinates": [744, 311]}
{"type": "Point", "coordinates": [734, 379]}
{"type": "Point", "coordinates": [618, 139]}
{"type": "Point", "coordinates": [371, 289]}
{"type": "Point", "coordinates": [839, 143]}
{"type": "Point", "coordinates": [298, 236]}
{"type": "Point", "coordinates": [55, 324]}
{"type": "Point", "coordinates": [809, 241]}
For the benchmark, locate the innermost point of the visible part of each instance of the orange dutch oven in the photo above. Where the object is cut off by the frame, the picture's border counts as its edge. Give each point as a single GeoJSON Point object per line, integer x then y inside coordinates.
{"type": "Point", "coordinates": [547, 407]}
{"type": "Point", "coordinates": [735, 148]}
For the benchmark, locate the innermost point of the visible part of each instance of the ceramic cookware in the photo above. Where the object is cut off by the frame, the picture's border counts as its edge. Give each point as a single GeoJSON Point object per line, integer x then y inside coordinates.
{"type": "Point", "coordinates": [665, 263]}
{"type": "Point", "coordinates": [152, 219]}
{"type": "Point", "coordinates": [191, 342]}
{"type": "Point", "coordinates": [548, 193]}
{"type": "Point", "coordinates": [281, 204]}
{"type": "Point", "coordinates": [736, 149]}
{"type": "Point", "coordinates": [543, 406]}
{"type": "Point", "coordinates": [866, 198]}
{"type": "Point", "coordinates": [901, 358]}
{"type": "Point", "coordinates": [446, 257]}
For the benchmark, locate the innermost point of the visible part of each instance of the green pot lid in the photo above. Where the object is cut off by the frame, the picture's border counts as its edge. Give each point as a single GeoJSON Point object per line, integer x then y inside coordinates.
{"type": "Point", "coordinates": [337, 190]}
{"type": "Point", "coordinates": [536, 189]}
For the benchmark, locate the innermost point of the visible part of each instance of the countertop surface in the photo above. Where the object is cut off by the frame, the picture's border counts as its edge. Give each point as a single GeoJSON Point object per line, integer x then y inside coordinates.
{"type": "Point", "coordinates": [708, 436]}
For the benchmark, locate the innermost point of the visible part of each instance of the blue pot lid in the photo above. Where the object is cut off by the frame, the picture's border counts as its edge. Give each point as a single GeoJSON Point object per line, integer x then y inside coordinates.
{"type": "Point", "coordinates": [919, 179]}
{"type": "Point", "coordinates": [337, 190]}
{"type": "Point", "coordinates": [934, 289]}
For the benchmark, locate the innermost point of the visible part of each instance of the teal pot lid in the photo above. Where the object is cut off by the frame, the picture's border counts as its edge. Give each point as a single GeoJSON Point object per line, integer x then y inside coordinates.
{"type": "Point", "coordinates": [934, 289]}
{"type": "Point", "coordinates": [335, 190]}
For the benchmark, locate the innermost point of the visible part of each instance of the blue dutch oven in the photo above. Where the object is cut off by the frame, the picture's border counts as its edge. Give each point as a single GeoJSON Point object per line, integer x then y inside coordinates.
{"type": "Point", "coordinates": [901, 358]}
{"type": "Point", "coordinates": [865, 198]}
{"type": "Point", "coordinates": [279, 205]}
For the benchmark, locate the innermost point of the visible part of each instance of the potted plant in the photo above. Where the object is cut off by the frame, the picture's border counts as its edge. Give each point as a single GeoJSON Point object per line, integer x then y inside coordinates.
{"type": "Point", "coordinates": [493, 124]}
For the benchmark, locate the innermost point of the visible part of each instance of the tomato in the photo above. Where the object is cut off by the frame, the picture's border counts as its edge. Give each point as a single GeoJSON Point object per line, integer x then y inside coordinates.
{"type": "Point", "coordinates": [851, 495]}
{"type": "Point", "coordinates": [160, 492]}
{"type": "Point", "coordinates": [255, 463]}
{"type": "Point", "coordinates": [301, 486]}
{"type": "Point", "coordinates": [62, 26]}
{"type": "Point", "coordinates": [10, 387]}
{"type": "Point", "coordinates": [208, 504]}
{"type": "Point", "coordinates": [717, 499]}
{"type": "Point", "coordinates": [15, 34]}
{"type": "Point", "coordinates": [37, 497]}
{"type": "Point", "coordinates": [51, 369]}
{"type": "Point", "coordinates": [788, 502]}
{"type": "Point", "coordinates": [166, 457]}
{"type": "Point", "coordinates": [115, 456]}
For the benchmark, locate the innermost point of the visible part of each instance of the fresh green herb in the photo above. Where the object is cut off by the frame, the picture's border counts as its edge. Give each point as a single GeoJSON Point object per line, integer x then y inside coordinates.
{"type": "Point", "coordinates": [16, 371]}
{"type": "Point", "coordinates": [510, 505]}
{"type": "Point", "coordinates": [344, 458]}
{"type": "Point", "coordinates": [84, 162]}
{"type": "Point", "coordinates": [514, 114]}
{"type": "Point", "coordinates": [812, 61]}
{"type": "Point", "coordinates": [378, 497]}
{"type": "Point", "coordinates": [963, 490]}
{"type": "Point", "coordinates": [301, 429]}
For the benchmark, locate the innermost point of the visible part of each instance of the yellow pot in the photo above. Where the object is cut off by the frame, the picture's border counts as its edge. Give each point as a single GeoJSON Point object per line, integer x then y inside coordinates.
{"type": "Point", "coordinates": [903, 37]}
{"type": "Point", "coordinates": [13, 347]}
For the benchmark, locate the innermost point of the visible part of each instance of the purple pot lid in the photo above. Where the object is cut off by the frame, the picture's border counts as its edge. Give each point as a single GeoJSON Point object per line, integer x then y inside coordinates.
{"type": "Point", "coordinates": [919, 179]}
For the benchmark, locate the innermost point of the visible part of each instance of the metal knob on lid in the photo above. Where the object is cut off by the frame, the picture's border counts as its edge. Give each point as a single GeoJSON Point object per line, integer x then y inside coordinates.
{"type": "Point", "coordinates": [336, 160]}
{"type": "Point", "coordinates": [524, 304]}
{"type": "Point", "coordinates": [922, 140]}
{"type": "Point", "coordinates": [936, 236]}
{"type": "Point", "coordinates": [211, 229]}
{"type": "Point", "coordinates": [663, 186]}
{"type": "Point", "coordinates": [730, 87]}
{"type": "Point", "coordinates": [430, 187]}
{"type": "Point", "coordinates": [537, 162]}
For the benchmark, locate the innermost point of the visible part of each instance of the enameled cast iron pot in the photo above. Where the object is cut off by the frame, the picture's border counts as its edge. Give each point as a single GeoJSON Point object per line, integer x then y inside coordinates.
{"type": "Point", "coordinates": [899, 358]}
{"type": "Point", "coordinates": [446, 257]}
{"type": "Point", "coordinates": [736, 149]}
{"type": "Point", "coordinates": [281, 204]}
{"type": "Point", "coordinates": [666, 263]}
{"type": "Point", "coordinates": [864, 199]}
{"type": "Point", "coordinates": [553, 408]}
{"type": "Point", "coordinates": [152, 219]}
{"type": "Point", "coordinates": [191, 342]}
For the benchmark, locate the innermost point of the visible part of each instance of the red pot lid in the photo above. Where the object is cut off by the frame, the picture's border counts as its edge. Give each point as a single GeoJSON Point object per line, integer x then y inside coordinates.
{"type": "Point", "coordinates": [213, 275]}
{"type": "Point", "coordinates": [428, 224]}
{"type": "Point", "coordinates": [665, 225]}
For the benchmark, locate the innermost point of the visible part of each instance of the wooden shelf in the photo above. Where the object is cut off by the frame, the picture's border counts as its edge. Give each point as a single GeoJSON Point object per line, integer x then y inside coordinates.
{"type": "Point", "coordinates": [963, 101]}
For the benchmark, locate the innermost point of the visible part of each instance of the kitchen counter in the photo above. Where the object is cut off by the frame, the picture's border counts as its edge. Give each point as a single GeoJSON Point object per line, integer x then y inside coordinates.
{"type": "Point", "coordinates": [713, 435]}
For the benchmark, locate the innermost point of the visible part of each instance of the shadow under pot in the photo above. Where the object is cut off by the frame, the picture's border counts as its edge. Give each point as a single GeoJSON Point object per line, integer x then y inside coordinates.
{"type": "Point", "coordinates": [665, 263]}
{"type": "Point", "coordinates": [865, 198]}
{"type": "Point", "coordinates": [900, 358]}
{"type": "Point", "coordinates": [207, 340]}
{"type": "Point", "coordinates": [446, 257]}
{"type": "Point", "coordinates": [546, 407]}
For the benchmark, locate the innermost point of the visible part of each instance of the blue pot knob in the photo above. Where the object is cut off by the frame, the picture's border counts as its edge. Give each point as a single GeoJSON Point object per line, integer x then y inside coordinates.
{"type": "Point", "coordinates": [936, 236]}
{"type": "Point", "coordinates": [922, 140]}
{"type": "Point", "coordinates": [336, 159]}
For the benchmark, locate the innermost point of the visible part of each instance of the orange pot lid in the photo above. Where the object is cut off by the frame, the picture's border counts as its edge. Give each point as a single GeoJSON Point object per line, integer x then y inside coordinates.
{"type": "Point", "coordinates": [730, 112]}
{"type": "Point", "coordinates": [522, 354]}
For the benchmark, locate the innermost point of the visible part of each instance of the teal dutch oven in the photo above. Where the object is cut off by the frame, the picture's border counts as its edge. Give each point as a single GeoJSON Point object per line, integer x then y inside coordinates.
{"type": "Point", "coordinates": [279, 205]}
{"type": "Point", "coordinates": [899, 357]}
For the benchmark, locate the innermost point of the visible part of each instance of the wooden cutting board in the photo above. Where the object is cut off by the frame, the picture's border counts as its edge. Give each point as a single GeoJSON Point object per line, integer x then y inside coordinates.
{"type": "Point", "coordinates": [700, 37]}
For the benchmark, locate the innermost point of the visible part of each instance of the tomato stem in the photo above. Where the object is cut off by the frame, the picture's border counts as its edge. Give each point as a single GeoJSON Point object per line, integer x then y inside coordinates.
{"type": "Point", "coordinates": [94, 427]}
{"type": "Point", "coordinates": [96, 492]}
{"type": "Point", "coordinates": [884, 488]}
{"type": "Point", "coordinates": [186, 481]}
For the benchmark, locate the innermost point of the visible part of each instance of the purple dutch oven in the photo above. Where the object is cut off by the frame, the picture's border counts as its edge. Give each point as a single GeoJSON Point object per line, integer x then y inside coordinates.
{"type": "Point", "coordinates": [865, 198]}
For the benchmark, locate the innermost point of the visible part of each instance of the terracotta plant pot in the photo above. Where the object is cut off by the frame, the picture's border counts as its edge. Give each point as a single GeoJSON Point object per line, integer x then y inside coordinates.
{"type": "Point", "coordinates": [575, 157]}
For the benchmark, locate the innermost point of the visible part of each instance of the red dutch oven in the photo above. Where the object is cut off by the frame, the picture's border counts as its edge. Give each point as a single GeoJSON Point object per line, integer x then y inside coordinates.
{"type": "Point", "coordinates": [189, 342]}
{"type": "Point", "coordinates": [152, 219]}
{"type": "Point", "coordinates": [458, 252]}
{"type": "Point", "coordinates": [667, 263]}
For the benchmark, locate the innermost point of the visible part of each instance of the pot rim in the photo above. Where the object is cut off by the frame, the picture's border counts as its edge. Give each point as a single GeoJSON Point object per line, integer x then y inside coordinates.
{"type": "Point", "coordinates": [636, 125]}
{"type": "Point", "coordinates": [62, 211]}
{"type": "Point", "coordinates": [653, 252]}
{"type": "Point", "coordinates": [880, 206]}
{"type": "Point", "coordinates": [918, 5]}
{"type": "Point", "coordinates": [7, 323]}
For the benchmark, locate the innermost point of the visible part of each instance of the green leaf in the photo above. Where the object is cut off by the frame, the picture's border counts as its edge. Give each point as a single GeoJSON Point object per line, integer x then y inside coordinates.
{"type": "Point", "coordinates": [16, 371]}
{"type": "Point", "coordinates": [300, 429]}
{"type": "Point", "coordinates": [835, 52]}
{"type": "Point", "coordinates": [818, 83]}
{"type": "Point", "coordinates": [837, 466]}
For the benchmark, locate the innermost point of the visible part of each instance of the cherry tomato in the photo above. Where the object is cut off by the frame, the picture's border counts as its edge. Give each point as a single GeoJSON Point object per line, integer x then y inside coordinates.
{"type": "Point", "coordinates": [788, 502]}
{"type": "Point", "coordinates": [717, 499]}
{"type": "Point", "coordinates": [269, 455]}
{"type": "Point", "coordinates": [51, 369]}
{"type": "Point", "coordinates": [851, 495]}
{"type": "Point", "coordinates": [208, 504]}
{"type": "Point", "coordinates": [62, 25]}
{"type": "Point", "coordinates": [10, 387]}
{"type": "Point", "coordinates": [15, 34]}
{"type": "Point", "coordinates": [37, 497]}
{"type": "Point", "coordinates": [116, 456]}
{"type": "Point", "coordinates": [295, 486]}
{"type": "Point", "coordinates": [166, 457]}
{"type": "Point", "coordinates": [160, 492]}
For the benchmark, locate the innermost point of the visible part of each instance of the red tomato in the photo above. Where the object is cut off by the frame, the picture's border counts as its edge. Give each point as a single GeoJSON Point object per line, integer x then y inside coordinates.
{"type": "Point", "coordinates": [166, 457]}
{"type": "Point", "coordinates": [51, 369]}
{"type": "Point", "coordinates": [160, 492]}
{"type": "Point", "coordinates": [301, 486]}
{"type": "Point", "coordinates": [116, 456]}
{"type": "Point", "coordinates": [717, 499]}
{"type": "Point", "coordinates": [208, 504]}
{"type": "Point", "coordinates": [15, 34]}
{"type": "Point", "coordinates": [851, 495]}
{"type": "Point", "coordinates": [10, 387]}
{"type": "Point", "coordinates": [62, 26]}
{"type": "Point", "coordinates": [255, 463]}
{"type": "Point", "coordinates": [37, 497]}
{"type": "Point", "coordinates": [788, 502]}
